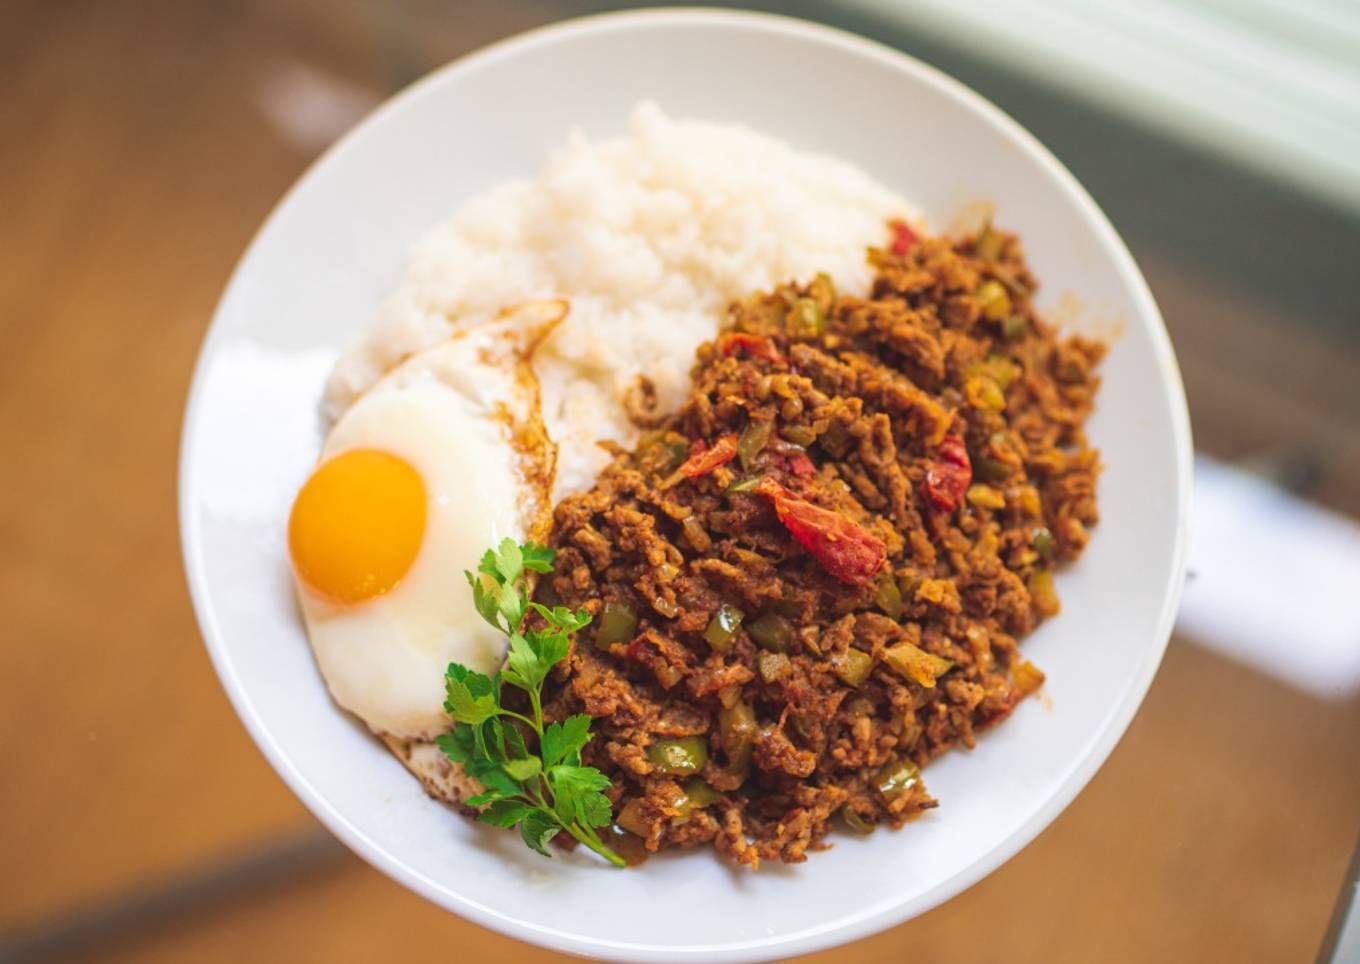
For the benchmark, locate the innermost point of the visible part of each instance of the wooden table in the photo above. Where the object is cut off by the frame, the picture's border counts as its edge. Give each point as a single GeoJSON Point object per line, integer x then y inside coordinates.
{"type": "Point", "coordinates": [136, 159]}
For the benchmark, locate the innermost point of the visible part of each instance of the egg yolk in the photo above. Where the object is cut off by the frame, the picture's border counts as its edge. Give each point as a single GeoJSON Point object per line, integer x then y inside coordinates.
{"type": "Point", "coordinates": [357, 524]}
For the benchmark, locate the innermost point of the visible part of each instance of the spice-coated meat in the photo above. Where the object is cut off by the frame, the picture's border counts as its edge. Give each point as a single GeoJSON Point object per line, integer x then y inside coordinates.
{"type": "Point", "coordinates": [830, 552]}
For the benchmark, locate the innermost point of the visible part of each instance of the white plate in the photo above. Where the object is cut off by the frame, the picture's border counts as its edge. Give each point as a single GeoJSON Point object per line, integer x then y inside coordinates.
{"type": "Point", "coordinates": [336, 243]}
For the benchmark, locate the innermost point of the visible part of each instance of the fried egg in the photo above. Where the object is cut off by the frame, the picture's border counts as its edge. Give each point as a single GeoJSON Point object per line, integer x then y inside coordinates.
{"type": "Point", "coordinates": [440, 459]}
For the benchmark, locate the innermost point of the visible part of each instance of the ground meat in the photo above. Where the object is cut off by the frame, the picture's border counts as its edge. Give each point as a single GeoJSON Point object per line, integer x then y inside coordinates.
{"type": "Point", "coordinates": [879, 488]}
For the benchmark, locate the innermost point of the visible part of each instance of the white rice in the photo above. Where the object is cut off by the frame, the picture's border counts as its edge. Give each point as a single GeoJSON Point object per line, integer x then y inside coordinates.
{"type": "Point", "coordinates": [648, 236]}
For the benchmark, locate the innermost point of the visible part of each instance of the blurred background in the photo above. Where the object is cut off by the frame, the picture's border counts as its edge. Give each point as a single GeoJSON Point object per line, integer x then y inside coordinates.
{"type": "Point", "coordinates": [141, 144]}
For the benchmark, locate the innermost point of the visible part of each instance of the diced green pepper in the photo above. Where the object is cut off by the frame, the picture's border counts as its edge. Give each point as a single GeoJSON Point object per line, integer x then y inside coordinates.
{"type": "Point", "coordinates": [747, 484]}
{"type": "Point", "coordinates": [852, 666]}
{"type": "Point", "coordinates": [1043, 594]}
{"type": "Point", "coordinates": [789, 607]}
{"type": "Point", "coordinates": [772, 632]}
{"type": "Point", "coordinates": [985, 496]}
{"type": "Point", "coordinates": [618, 624]}
{"type": "Point", "coordinates": [916, 664]}
{"type": "Point", "coordinates": [855, 822]}
{"type": "Point", "coordinates": [799, 435]}
{"type": "Point", "coordinates": [984, 393]}
{"type": "Point", "coordinates": [722, 627]}
{"type": "Point", "coordinates": [737, 733]}
{"type": "Point", "coordinates": [697, 795]}
{"type": "Point", "coordinates": [897, 778]}
{"type": "Point", "coordinates": [1001, 369]}
{"type": "Point", "coordinates": [1044, 543]}
{"type": "Point", "coordinates": [805, 319]}
{"type": "Point", "coordinates": [679, 757]}
{"type": "Point", "coordinates": [700, 793]}
{"type": "Point", "coordinates": [630, 818]}
{"type": "Point", "coordinates": [663, 452]}
{"type": "Point", "coordinates": [1014, 327]}
{"type": "Point", "coordinates": [989, 243]}
{"type": "Point", "coordinates": [753, 439]}
{"type": "Point", "coordinates": [888, 597]}
{"type": "Point", "coordinates": [995, 302]}
{"type": "Point", "coordinates": [823, 292]}
{"type": "Point", "coordinates": [989, 469]}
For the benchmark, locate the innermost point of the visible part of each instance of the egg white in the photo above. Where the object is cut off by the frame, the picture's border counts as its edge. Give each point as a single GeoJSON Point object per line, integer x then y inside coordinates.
{"type": "Point", "coordinates": [460, 414]}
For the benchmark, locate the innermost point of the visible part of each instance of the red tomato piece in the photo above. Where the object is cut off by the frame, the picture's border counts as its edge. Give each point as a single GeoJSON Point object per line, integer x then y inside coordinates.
{"type": "Point", "coordinates": [947, 479]}
{"type": "Point", "coordinates": [904, 238]}
{"type": "Point", "coordinates": [845, 549]}
{"type": "Point", "coordinates": [703, 460]}
{"type": "Point", "coordinates": [731, 342]}
{"type": "Point", "coordinates": [801, 466]}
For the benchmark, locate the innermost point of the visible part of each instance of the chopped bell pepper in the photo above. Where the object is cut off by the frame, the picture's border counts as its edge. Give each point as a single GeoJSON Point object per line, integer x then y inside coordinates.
{"type": "Point", "coordinates": [852, 667]}
{"type": "Point", "coordinates": [753, 439]}
{"type": "Point", "coordinates": [618, 624]}
{"type": "Point", "coordinates": [722, 627]}
{"type": "Point", "coordinates": [916, 664]}
{"type": "Point", "coordinates": [896, 779]}
{"type": "Point", "coordinates": [679, 757]}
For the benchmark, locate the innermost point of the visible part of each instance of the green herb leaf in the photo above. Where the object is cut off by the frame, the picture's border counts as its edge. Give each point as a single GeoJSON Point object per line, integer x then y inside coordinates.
{"type": "Point", "coordinates": [505, 813]}
{"type": "Point", "coordinates": [486, 602]}
{"type": "Point", "coordinates": [488, 564]}
{"type": "Point", "coordinates": [512, 605]}
{"type": "Point", "coordinates": [536, 557]}
{"type": "Point", "coordinates": [537, 828]}
{"type": "Point", "coordinates": [562, 742]}
{"type": "Point", "coordinates": [577, 790]}
{"type": "Point", "coordinates": [562, 618]}
{"type": "Point", "coordinates": [509, 560]}
{"type": "Point", "coordinates": [469, 697]}
{"type": "Point", "coordinates": [578, 779]}
{"type": "Point", "coordinates": [594, 810]}
{"type": "Point", "coordinates": [549, 649]}
{"type": "Point", "coordinates": [483, 798]}
{"type": "Point", "coordinates": [545, 791]}
{"type": "Point", "coordinates": [456, 744]}
{"type": "Point", "coordinates": [493, 777]}
{"type": "Point", "coordinates": [524, 669]}
{"type": "Point", "coordinates": [525, 768]}
{"type": "Point", "coordinates": [515, 747]}
{"type": "Point", "coordinates": [505, 566]}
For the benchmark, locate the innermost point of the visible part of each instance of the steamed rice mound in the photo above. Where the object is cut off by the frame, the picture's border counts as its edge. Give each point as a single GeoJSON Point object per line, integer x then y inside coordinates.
{"type": "Point", "coordinates": [648, 236]}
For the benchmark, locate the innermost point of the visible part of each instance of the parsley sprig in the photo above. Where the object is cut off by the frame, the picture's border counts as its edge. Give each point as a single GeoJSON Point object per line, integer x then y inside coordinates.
{"type": "Point", "coordinates": [543, 791]}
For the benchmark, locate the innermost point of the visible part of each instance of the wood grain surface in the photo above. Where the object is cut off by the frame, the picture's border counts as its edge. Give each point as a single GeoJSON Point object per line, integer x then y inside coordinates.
{"type": "Point", "coordinates": [137, 157]}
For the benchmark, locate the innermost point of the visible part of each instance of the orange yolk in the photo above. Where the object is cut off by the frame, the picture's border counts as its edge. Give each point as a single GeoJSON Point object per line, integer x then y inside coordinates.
{"type": "Point", "coordinates": [357, 525]}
